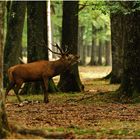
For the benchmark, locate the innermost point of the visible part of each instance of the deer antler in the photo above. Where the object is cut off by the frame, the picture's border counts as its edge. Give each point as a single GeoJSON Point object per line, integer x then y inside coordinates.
{"type": "Point", "coordinates": [66, 50]}
{"type": "Point", "coordinates": [62, 52]}
{"type": "Point", "coordinates": [53, 51]}
{"type": "Point", "coordinates": [49, 48]}
{"type": "Point", "coordinates": [57, 46]}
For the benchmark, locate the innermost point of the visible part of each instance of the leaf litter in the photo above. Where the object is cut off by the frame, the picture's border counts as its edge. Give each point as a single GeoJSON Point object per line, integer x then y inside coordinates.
{"type": "Point", "coordinates": [91, 114]}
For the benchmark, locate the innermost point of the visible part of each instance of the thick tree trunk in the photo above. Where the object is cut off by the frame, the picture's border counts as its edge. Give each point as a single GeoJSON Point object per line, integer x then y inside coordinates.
{"type": "Point", "coordinates": [70, 80]}
{"type": "Point", "coordinates": [13, 46]}
{"type": "Point", "coordinates": [4, 127]}
{"type": "Point", "coordinates": [117, 49]}
{"type": "Point", "coordinates": [131, 69]}
{"type": "Point", "coordinates": [37, 41]}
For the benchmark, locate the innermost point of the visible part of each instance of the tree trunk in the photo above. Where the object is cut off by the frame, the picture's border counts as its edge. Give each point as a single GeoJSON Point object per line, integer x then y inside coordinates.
{"type": "Point", "coordinates": [13, 46]}
{"type": "Point", "coordinates": [81, 46]}
{"type": "Point", "coordinates": [93, 60]}
{"type": "Point", "coordinates": [107, 53]}
{"type": "Point", "coordinates": [37, 39]}
{"type": "Point", "coordinates": [70, 80]}
{"type": "Point", "coordinates": [117, 49]}
{"type": "Point", "coordinates": [130, 84]}
{"type": "Point", "coordinates": [4, 127]}
{"type": "Point", "coordinates": [49, 27]}
{"type": "Point", "coordinates": [100, 53]}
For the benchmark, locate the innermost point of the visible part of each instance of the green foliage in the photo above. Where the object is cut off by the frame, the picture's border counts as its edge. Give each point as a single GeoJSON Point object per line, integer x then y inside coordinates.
{"type": "Point", "coordinates": [95, 13]}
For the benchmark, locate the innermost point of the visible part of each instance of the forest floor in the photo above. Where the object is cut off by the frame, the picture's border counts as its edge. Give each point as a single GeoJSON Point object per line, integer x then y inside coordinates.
{"type": "Point", "coordinates": [94, 113]}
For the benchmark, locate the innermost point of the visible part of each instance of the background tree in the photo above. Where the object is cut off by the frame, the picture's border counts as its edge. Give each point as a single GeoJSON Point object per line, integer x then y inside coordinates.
{"type": "Point", "coordinates": [4, 127]}
{"type": "Point", "coordinates": [96, 15]}
{"type": "Point", "coordinates": [107, 53]}
{"type": "Point", "coordinates": [37, 41]}
{"type": "Point", "coordinates": [13, 46]}
{"type": "Point", "coordinates": [81, 46]}
{"type": "Point", "coordinates": [93, 60]}
{"type": "Point", "coordinates": [70, 80]}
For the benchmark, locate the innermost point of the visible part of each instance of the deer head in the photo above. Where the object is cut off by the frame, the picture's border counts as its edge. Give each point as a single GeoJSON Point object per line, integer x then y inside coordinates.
{"type": "Point", "coordinates": [65, 56]}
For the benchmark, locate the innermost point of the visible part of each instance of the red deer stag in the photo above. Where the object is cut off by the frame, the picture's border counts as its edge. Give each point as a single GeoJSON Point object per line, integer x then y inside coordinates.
{"type": "Point", "coordinates": [41, 70]}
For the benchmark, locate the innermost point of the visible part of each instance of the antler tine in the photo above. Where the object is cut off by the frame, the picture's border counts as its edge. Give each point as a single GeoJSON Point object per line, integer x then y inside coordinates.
{"type": "Point", "coordinates": [66, 50]}
{"type": "Point", "coordinates": [56, 45]}
{"type": "Point", "coordinates": [60, 49]}
{"type": "Point", "coordinates": [53, 51]}
{"type": "Point", "coordinates": [50, 49]}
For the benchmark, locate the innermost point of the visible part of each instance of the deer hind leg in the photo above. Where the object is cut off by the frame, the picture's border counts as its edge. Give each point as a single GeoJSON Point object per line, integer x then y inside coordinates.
{"type": "Point", "coordinates": [16, 90]}
{"type": "Point", "coordinates": [10, 86]}
{"type": "Point", "coordinates": [45, 88]}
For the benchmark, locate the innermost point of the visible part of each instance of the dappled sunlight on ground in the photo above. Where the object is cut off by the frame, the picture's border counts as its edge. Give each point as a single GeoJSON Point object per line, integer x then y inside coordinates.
{"type": "Point", "coordinates": [93, 72]}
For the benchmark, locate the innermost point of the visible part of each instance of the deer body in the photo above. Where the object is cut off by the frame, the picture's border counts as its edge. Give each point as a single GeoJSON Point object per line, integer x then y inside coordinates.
{"type": "Point", "coordinates": [41, 70]}
{"type": "Point", "coordinates": [35, 71]}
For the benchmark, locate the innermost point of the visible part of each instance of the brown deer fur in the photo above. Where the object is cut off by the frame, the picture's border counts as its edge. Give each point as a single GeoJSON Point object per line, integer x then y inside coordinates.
{"type": "Point", "coordinates": [41, 70]}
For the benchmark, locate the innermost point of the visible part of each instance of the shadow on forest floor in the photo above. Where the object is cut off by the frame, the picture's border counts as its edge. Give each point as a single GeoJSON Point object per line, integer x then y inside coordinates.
{"type": "Point", "coordinates": [90, 114]}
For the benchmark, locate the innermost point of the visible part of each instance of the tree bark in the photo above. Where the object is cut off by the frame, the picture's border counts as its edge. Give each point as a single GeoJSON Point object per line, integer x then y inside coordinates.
{"type": "Point", "coordinates": [4, 127]}
{"type": "Point", "coordinates": [117, 49]}
{"type": "Point", "coordinates": [13, 46]}
{"type": "Point", "coordinates": [130, 84]}
{"type": "Point", "coordinates": [70, 79]}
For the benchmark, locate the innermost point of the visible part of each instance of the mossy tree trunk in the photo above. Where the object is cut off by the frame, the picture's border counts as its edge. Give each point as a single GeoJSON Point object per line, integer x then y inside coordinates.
{"type": "Point", "coordinates": [37, 39]}
{"type": "Point", "coordinates": [4, 127]}
{"type": "Point", "coordinates": [13, 44]}
{"type": "Point", "coordinates": [117, 46]}
{"type": "Point", "coordinates": [131, 68]}
{"type": "Point", "coordinates": [70, 79]}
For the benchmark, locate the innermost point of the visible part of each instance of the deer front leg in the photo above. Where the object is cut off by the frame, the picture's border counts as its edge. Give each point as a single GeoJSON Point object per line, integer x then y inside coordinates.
{"type": "Point", "coordinates": [45, 80]}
